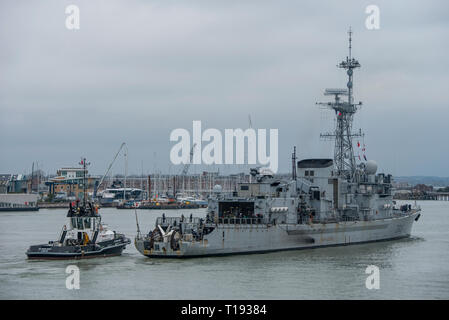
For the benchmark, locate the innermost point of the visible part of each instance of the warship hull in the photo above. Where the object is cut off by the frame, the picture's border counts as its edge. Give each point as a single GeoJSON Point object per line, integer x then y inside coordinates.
{"type": "Point", "coordinates": [228, 239]}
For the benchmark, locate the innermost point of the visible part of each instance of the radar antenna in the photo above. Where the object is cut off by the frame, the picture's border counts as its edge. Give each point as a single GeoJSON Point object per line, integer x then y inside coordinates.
{"type": "Point", "coordinates": [344, 159]}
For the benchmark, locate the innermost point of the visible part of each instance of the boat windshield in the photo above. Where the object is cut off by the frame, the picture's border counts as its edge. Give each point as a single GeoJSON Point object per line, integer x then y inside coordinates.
{"type": "Point", "coordinates": [82, 222]}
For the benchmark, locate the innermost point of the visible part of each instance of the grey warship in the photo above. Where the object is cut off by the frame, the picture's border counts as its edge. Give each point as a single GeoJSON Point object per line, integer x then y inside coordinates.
{"type": "Point", "coordinates": [326, 202]}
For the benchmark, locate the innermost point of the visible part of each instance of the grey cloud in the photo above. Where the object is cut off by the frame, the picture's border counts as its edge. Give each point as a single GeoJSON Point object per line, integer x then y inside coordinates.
{"type": "Point", "coordinates": [138, 69]}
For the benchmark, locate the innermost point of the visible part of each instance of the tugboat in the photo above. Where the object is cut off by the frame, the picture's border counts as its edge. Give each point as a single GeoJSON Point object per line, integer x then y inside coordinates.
{"type": "Point", "coordinates": [86, 236]}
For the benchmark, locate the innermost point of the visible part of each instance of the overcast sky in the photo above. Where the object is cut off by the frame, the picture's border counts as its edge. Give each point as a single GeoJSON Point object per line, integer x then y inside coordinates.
{"type": "Point", "coordinates": [136, 70]}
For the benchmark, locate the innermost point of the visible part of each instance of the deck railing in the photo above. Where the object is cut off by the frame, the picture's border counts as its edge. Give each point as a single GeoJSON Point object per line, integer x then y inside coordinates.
{"type": "Point", "coordinates": [245, 221]}
{"type": "Point", "coordinates": [177, 220]}
{"type": "Point", "coordinates": [173, 221]}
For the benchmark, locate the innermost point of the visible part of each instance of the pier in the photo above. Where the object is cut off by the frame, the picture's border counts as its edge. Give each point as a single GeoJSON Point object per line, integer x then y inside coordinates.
{"type": "Point", "coordinates": [53, 205]}
{"type": "Point", "coordinates": [440, 196]}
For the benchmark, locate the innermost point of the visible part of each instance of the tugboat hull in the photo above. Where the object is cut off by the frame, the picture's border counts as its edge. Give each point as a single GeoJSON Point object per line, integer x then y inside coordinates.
{"type": "Point", "coordinates": [75, 252]}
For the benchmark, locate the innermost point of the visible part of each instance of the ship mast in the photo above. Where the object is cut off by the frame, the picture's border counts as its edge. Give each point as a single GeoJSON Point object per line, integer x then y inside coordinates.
{"type": "Point", "coordinates": [85, 164]}
{"type": "Point", "coordinates": [344, 159]}
{"type": "Point", "coordinates": [294, 164]}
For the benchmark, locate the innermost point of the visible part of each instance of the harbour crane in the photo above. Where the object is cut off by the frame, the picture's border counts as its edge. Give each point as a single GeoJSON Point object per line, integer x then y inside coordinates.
{"type": "Point", "coordinates": [186, 168]}
{"type": "Point", "coordinates": [110, 166]}
{"type": "Point", "coordinates": [187, 165]}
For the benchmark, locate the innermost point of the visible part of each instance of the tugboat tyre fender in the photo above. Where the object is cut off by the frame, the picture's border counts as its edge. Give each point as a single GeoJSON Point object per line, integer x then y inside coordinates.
{"type": "Point", "coordinates": [174, 241]}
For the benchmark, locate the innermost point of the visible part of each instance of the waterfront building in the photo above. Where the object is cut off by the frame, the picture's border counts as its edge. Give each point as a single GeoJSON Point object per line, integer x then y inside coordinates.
{"type": "Point", "coordinates": [69, 182]}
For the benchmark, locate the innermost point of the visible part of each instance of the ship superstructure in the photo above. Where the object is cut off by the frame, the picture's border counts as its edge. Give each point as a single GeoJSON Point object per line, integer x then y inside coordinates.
{"type": "Point", "coordinates": [326, 202]}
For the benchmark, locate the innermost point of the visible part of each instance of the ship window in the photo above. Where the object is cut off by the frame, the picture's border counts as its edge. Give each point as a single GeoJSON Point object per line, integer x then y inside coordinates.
{"type": "Point", "coordinates": [80, 223]}
{"type": "Point", "coordinates": [244, 187]}
{"type": "Point", "coordinates": [306, 173]}
{"type": "Point", "coordinates": [312, 173]}
{"type": "Point", "coordinates": [236, 209]}
{"type": "Point", "coordinates": [87, 223]}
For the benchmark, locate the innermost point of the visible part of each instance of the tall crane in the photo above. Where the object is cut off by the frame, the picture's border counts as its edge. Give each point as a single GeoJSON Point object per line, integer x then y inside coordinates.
{"type": "Point", "coordinates": [187, 165]}
{"type": "Point", "coordinates": [186, 168]}
{"type": "Point", "coordinates": [110, 166]}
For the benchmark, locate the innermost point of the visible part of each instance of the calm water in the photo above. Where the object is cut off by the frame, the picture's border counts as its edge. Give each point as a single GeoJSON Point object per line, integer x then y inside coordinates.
{"type": "Point", "coordinates": [415, 268]}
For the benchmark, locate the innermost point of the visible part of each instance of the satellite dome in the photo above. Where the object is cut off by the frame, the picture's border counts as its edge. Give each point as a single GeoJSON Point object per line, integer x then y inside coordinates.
{"type": "Point", "coordinates": [266, 172]}
{"type": "Point", "coordinates": [370, 167]}
{"type": "Point", "coordinates": [217, 188]}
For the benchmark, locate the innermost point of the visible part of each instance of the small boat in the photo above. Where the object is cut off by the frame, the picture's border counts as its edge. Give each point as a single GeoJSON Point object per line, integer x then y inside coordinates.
{"type": "Point", "coordinates": [86, 237]}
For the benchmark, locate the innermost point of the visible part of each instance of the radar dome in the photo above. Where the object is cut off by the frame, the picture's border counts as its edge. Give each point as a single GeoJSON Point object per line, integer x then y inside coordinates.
{"type": "Point", "coordinates": [217, 188]}
{"type": "Point", "coordinates": [370, 167]}
{"type": "Point", "coordinates": [266, 172]}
